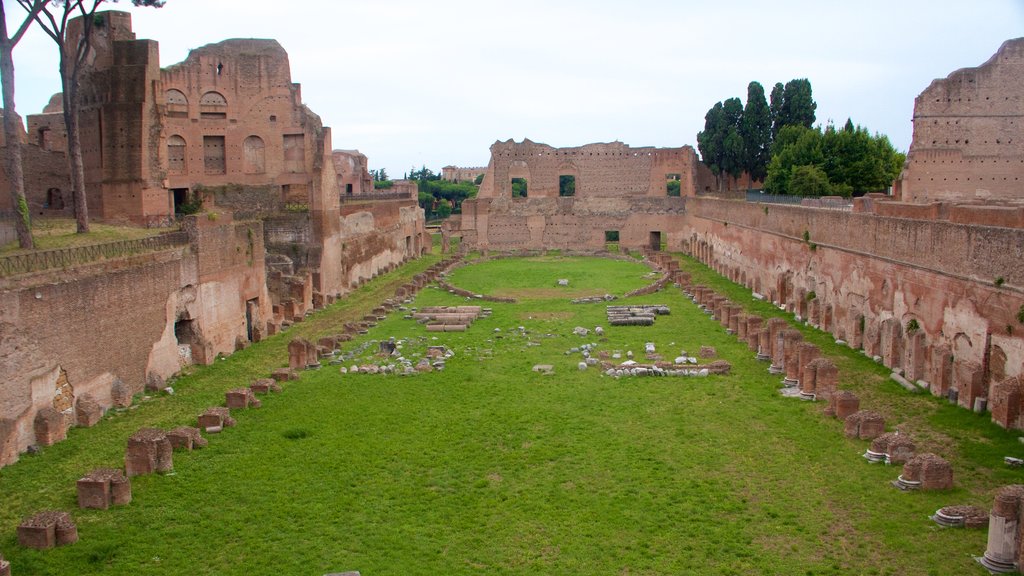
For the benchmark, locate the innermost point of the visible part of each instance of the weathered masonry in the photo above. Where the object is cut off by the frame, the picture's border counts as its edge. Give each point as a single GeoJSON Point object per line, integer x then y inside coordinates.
{"type": "Point", "coordinates": [282, 230]}
{"type": "Point", "coordinates": [931, 283]}
{"type": "Point", "coordinates": [536, 196]}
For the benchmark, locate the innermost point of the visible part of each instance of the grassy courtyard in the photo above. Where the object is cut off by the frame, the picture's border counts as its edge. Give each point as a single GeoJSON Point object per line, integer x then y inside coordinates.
{"type": "Point", "coordinates": [488, 467]}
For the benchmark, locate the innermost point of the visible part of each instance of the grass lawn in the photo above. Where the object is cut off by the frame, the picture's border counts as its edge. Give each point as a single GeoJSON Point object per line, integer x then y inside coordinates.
{"type": "Point", "coordinates": [490, 468]}
{"type": "Point", "coordinates": [53, 233]}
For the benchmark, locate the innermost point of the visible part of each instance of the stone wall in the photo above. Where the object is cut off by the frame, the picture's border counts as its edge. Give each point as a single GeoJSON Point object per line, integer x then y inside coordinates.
{"type": "Point", "coordinates": [967, 143]}
{"type": "Point", "coordinates": [936, 299]}
{"type": "Point", "coordinates": [617, 189]}
{"type": "Point", "coordinates": [128, 323]}
{"type": "Point", "coordinates": [460, 174]}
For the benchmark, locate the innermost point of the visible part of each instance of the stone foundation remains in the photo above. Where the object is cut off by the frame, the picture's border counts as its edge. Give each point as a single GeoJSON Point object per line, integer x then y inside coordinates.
{"type": "Point", "coordinates": [103, 488]}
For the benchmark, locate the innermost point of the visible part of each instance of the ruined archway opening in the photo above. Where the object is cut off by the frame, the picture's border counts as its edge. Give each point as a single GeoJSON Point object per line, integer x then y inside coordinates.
{"type": "Point", "coordinates": [186, 333]}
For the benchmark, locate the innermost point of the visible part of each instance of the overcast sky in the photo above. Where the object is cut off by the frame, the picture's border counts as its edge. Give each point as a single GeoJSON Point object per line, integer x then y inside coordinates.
{"type": "Point", "coordinates": [437, 82]}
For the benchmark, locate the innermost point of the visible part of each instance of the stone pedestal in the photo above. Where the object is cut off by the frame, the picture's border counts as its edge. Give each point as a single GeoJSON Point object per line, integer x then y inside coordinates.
{"type": "Point", "coordinates": [241, 398]}
{"type": "Point", "coordinates": [215, 419]}
{"type": "Point", "coordinates": [49, 427]}
{"type": "Point", "coordinates": [186, 438]}
{"type": "Point", "coordinates": [148, 451]}
{"type": "Point", "coordinates": [891, 448]}
{"type": "Point", "coordinates": [806, 352]}
{"type": "Point", "coordinates": [1003, 551]}
{"type": "Point", "coordinates": [865, 425]}
{"type": "Point", "coordinates": [844, 404]}
{"type": "Point", "coordinates": [752, 334]}
{"type": "Point", "coordinates": [47, 529]}
{"type": "Point", "coordinates": [925, 472]}
{"type": "Point", "coordinates": [87, 411]}
{"type": "Point", "coordinates": [265, 386]}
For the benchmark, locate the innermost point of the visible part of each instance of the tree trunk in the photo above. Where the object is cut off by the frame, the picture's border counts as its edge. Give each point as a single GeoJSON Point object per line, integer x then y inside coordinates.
{"type": "Point", "coordinates": [12, 137]}
{"type": "Point", "coordinates": [76, 166]}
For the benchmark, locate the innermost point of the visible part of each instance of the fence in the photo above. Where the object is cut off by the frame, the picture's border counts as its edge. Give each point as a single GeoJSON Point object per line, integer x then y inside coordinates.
{"type": "Point", "coordinates": [829, 202]}
{"type": "Point", "coordinates": [373, 196]}
{"type": "Point", "coordinates": [65, 257]}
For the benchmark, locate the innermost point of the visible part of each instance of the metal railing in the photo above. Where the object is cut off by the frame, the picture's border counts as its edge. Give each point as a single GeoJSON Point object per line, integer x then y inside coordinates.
{"type": "Point", "coordinates": [809, 202]}
{"type": "Point", "coordinates": [64, 257]}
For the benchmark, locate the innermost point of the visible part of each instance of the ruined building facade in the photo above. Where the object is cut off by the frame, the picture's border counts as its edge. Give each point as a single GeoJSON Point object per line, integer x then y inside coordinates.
{"type": "Point", "coordinates": [579, 198]}
{"type": "Point", "coordinates": [276, 236]}
{"type": "Point", "coordinates": [968, 143]}
{"type": "Point", "coordinates": [458, 174]}
{"type": "Point", "coordinates": [930, 284]}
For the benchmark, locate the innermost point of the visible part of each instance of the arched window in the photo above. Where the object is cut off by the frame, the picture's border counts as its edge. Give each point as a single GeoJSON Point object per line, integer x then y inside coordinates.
{"type": "Point", "coordinates": [254, 155]}
{"type": "Point", "coordinates": [175, 155]}
{"type": "Point", "coordinates": [213, 99]}
{"type": "Point", "coordinates": [177, 103]}
{"type": "Point", "coordinates": [176, 97]}
{"type": "Point", "coordinates": [213, 105]}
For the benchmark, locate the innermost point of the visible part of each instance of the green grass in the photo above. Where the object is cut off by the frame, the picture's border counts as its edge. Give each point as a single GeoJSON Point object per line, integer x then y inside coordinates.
{"type": "Point", "coordinates": [490, 468]}
{"type": "Point", "coordinates": [53, 233]}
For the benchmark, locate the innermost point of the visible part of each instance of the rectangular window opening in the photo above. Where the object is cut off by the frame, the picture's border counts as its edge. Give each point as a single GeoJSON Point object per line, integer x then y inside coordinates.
{"type": "Point", "coordinates": [673, 184]}
{"type": "Point", "coordinates": [519, 187]}
{"type": "Point", "coordinates": [566, 185]}
{"type": "Point", "coordinates": [611, 240]}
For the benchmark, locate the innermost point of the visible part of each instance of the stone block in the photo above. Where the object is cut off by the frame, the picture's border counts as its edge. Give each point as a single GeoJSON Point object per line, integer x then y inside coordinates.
{"type": "Point", "coordinates": [93, 493]}
{"type": "Point", "coordinates": [88, 412]}
{"type": "Point", "coordinates": [928, 472]}
{"type": "Point", "coordinates": [1006, 402]}
{"type": "Point", "coordinates": [49, 427]}
{"type": "Point", "coordinates": [844, 404]}
{"type": "Point", "coordinates": [120, 394]}
{"type": "Point", "coordinates": [216, 417]}
{"type": "Point", "coordinates": [104, 487]}
{"type": "Point", "coordinates": [186, 438]}
{"type": "Point", "coordinates": [265, 386]}
{"type": "Point", "coordinates": [240, 398]}
{"type": "Point", "coordinates": [148, 451]}
{"type": "Point", "coordinates": [865, 424]}
{"type": "Point", "coordinates": [47, 529]}
{"type": "Point", "coordinates": [285, 374]}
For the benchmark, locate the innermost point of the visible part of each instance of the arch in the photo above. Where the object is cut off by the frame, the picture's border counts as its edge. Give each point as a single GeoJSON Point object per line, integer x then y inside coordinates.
{"type": "Point", "coordinates": [176, 147]}
{"type": "Point", "coordinates": [176, 97]}
{"type": "Point", "coordinates": [213, 106]}
{"type": "Point", "coordinates": [254, 155]}
{"type": "Point", "coordinates": [213, 98]}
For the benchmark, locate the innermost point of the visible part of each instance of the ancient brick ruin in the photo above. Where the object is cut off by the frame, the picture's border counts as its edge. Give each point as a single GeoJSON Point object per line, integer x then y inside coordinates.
{"type": "Point", "coordinates": [47, 529]}
{"type": "Point", "coordinates": [288, 226]}
{"type": "Point", "coordinates": [103, 488]}
{"type": "Point", "coordinates": [967, 143]}
{"type": "Point", "coordinates": [930, 282]}
{"type": "Point", "coordinates": [617, 193]}
{"type": "Point", "coordinates": [1005, 528]}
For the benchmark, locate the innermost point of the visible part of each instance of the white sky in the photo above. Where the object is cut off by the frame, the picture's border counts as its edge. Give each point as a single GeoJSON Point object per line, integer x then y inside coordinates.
{"type": "Point", "coordinates": [436, 82]}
